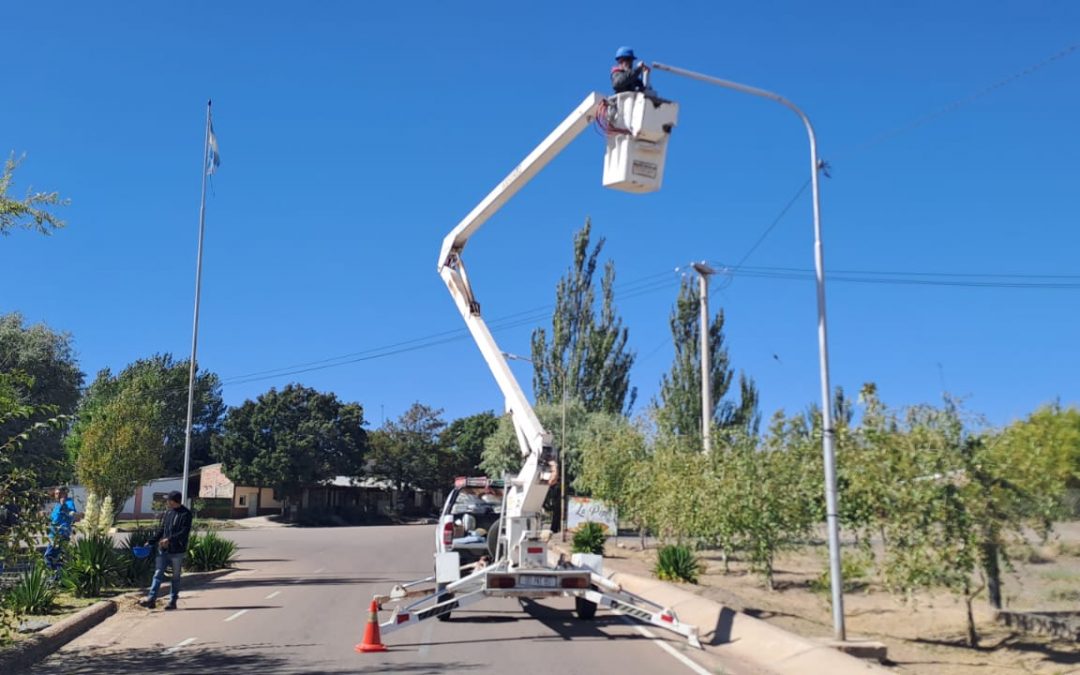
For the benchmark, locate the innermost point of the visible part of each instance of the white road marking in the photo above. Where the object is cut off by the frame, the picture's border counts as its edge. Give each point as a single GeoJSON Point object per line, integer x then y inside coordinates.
{"type": "Point", "coordinates": [297, 580]}
{"type": "Point", "coordinates": [273, 595]}
{"type": "Point", "coordinates": [237, 615]}
{"type": "Point", "coordinates": [179, 645]}
{"type": "Point", "coordinates": [319, 570]}
{"type": "Point", "coordinates": [686, 660]}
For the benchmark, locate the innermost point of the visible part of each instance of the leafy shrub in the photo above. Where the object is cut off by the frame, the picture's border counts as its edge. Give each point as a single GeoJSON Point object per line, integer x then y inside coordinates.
{"type": "Point", "coordinates": [33, 593]}
{"type": "Point", "coordinates": [209, 551]}
{"type": "Point", "coordinates": [677, 563]}
{"type": "Point", "coordinates": [92, 566]}
{"type": "Point", "coordinates": [590, 538]}
{"type": "Point", "coordinates": [855, 567]}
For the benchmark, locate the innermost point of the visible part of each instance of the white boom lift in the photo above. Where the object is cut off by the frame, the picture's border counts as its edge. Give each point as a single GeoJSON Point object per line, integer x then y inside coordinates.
{"type": "Point", "coordinates": [638, 127]}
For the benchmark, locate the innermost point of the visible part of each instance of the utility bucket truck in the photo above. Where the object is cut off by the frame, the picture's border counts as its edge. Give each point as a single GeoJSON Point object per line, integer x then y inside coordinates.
{"type": "Point", "coordinates": [637, 127]}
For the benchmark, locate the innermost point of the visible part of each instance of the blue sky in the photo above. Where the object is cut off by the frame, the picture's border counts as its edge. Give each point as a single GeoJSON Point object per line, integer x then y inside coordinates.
{"type": "Point", "coordinates": [355, 135]}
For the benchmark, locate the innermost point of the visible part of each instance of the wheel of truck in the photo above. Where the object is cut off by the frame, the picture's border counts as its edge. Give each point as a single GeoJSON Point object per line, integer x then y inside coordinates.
{"type": "Point", "coordinates": [443, 597]}
{"type": "Point", "coordinates": [585, 608]}
{"type": "Point", "coordinates": [493, 538]}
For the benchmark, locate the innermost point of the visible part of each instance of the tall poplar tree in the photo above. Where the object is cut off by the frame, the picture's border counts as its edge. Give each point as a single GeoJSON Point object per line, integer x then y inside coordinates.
{"type": "Point", "coordinates": [679, 405]}
{"type": "Point", "coordinates": [586, 356]}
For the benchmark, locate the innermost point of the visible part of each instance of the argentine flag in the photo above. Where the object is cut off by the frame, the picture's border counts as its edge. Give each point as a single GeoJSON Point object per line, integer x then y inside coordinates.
{"type": "Point", "coordinates": [213, 161]}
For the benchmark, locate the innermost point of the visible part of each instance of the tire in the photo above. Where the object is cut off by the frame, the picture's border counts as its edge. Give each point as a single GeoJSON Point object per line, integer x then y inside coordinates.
{"type": "Point", "coordinates": [585, 609]}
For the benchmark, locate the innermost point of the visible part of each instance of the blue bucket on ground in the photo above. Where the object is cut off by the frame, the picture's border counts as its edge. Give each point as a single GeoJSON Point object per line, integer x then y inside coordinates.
{"type": "Point", "coordinates": [140, 551]}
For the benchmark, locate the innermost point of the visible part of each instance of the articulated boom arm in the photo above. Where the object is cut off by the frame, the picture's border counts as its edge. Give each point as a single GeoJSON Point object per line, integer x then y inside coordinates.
{"type": "Point", "coordinates": [529, 489]}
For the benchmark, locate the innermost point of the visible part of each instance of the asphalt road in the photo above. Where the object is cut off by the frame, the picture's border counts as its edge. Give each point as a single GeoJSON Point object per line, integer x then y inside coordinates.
{"type": "Point", "coordinates": [300, 601]}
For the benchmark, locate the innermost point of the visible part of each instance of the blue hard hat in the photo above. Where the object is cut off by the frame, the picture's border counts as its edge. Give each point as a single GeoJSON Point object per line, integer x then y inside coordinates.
{"type": "Point", "coordinates": [624, 53]}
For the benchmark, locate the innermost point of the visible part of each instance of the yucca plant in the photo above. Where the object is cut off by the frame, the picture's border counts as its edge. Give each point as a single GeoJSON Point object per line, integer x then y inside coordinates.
{"type": "Point", "coordinates": [209, 551]}
{"type": "Point", "coordinates": [590, 538]}
{"type": "Point", "coordinates": [677, 563]}
{"type": "Point", "coordinates": [92, 566]}
{"type": "Point", "coordinates": [33, 593]}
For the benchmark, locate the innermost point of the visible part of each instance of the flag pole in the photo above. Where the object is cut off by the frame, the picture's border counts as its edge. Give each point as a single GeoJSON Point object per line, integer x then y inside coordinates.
{"type": "Point", "coordinates": [195, 323]}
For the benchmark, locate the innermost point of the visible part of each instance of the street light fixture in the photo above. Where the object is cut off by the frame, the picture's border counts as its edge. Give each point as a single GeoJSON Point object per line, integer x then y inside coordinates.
{"type": "Point", "coordinates": [828, 433]}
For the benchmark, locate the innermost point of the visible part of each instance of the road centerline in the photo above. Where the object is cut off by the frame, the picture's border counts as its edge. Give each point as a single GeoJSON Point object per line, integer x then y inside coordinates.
{"type": "Point", "coordinates": [237, 615]}
{"type": "Point", "coordinates": [273, 595]}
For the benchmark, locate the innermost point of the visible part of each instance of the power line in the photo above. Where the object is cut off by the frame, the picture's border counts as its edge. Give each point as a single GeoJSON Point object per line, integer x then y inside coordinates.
{"type": "Point", "coordinates": [958, 103]}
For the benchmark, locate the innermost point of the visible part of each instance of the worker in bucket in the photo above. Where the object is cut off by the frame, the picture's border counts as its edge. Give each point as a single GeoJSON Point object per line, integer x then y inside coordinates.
{"type": "Point", "coordinates": [625, 74]}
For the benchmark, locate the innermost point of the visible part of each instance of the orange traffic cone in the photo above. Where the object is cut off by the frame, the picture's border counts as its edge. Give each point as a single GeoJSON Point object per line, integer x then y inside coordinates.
{"type": "Point", "coordinates": [372, 642]}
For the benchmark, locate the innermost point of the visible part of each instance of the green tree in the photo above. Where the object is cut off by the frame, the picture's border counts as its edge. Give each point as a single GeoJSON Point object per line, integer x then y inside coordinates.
{"type": "Point", "coordinates": [120, 447]}
{"type": "Point", "coordinates": [408, 452]}
{"type": "Point", "coordinates": [461, 444]}
{"type": "Point", "coordinates": [52, 387]}
{"type": "Point", "coordinates": [290, 439]}
{"type": "Point", "coordinates": [586, 358]}
{"type": "Point", "coordinates": [679, 405]}
{"type": "Point", "coordinates": [502, 454]}
{"type": "Point", "coordinates": [31, 212]}
{"type": "Point", "coordinates": [164, 383]}
{"type": "Point", "coordinates": [22, 520]}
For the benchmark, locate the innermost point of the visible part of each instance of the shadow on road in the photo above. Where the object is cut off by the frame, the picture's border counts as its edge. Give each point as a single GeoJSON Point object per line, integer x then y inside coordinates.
{"type": "Point", "coordinates": [259, 658]}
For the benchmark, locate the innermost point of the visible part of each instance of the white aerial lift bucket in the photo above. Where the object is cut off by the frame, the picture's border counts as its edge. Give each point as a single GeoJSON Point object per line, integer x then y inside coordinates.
{"type": "Point", "coordinates": [638, 127]}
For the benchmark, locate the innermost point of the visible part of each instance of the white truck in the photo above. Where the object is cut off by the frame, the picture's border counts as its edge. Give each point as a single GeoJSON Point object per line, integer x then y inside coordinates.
{"type": "Point", "coordinates": [637, 128]}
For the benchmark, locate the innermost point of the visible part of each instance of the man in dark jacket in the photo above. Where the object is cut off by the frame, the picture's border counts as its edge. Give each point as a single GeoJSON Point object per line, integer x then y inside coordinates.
{"type": "Point", "coordinates": [172, 540]}
{"type": "Point", "coordinates": [625, 75]}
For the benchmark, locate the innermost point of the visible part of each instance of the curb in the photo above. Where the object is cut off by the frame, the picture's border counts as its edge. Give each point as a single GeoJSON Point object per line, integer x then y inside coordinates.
{"type": "Point", "coordinates": [24, 654]}
{"type": "Point", "coordinates": [35, 648]}
{"type": "Point", "coordinates": [726, 632]}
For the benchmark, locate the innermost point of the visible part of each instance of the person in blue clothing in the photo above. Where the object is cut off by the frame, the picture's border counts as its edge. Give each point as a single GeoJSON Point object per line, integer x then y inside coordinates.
{"type": "Point", "coordinates": [61, 521]}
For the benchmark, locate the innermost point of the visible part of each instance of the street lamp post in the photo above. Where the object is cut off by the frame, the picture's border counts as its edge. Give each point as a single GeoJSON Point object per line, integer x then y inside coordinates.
{"type": "Point", "coordinates": [828, 433]}
{"type": "Point", "coordinates": [704, 271]}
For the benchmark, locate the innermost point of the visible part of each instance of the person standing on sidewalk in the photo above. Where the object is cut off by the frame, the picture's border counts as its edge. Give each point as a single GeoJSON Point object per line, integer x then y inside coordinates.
{"type": "Point", "coordinates": [172, 540]}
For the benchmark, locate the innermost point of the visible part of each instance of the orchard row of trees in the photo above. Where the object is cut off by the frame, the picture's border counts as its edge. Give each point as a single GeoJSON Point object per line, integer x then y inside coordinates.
{"type": "Point", "coordinates": [933, 496]}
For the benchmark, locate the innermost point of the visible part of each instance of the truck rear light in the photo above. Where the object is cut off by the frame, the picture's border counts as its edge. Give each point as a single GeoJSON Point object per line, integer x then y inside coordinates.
{"type": "Point", "coordinates": [574, 582]}
{"type": "Point", "coordinates": [448, 533]}
{"type": "Point", "coordinates": [534, 550]}
{"type": "Point", "coordinates": [501, 581]}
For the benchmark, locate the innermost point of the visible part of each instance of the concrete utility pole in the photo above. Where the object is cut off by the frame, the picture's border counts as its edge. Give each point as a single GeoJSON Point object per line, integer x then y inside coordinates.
{"type": "Point", "coordinates": [704, 272]}
{"type": "Point", "coordinates": [828, 440]}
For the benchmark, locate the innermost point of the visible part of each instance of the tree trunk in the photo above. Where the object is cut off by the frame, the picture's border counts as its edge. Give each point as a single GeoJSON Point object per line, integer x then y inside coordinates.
{"type": "Point", "coordinates": [258, 500]}
{"type": "Point", "coordinates": [992, 567]}
{"type": "Point", "coordinates": [969, 598]}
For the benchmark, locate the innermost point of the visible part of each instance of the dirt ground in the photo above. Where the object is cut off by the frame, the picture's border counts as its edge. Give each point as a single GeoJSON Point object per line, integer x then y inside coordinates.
{"type": "Point", "coordinates": [923, 637]}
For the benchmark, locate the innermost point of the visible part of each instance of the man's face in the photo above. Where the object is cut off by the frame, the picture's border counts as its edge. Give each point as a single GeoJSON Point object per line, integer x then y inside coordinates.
{"type": "Point", "coordinates": [60, 495]}
{"type": "Point", "coordinates": [172, 505]}
{"type": "Point", "coordinates": [626, 63]}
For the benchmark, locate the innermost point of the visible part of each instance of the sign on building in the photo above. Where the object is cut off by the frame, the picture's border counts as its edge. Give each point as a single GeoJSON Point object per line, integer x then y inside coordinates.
{"type": "Point", "coordinates": [585, 509]}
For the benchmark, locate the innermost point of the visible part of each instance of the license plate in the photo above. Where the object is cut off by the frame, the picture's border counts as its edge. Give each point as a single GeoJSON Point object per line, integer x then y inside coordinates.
{"type": "Point", "coordinates": [537, 580]}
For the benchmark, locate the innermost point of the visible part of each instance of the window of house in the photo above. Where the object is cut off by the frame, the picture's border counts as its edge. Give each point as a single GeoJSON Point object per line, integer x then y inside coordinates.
{"type": "Point", "coordinates": [241, 500]}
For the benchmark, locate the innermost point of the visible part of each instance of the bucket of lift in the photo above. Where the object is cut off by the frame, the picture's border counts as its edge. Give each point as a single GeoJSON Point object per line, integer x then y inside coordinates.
{"type": "Point", "coordinates": [638, 126]}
